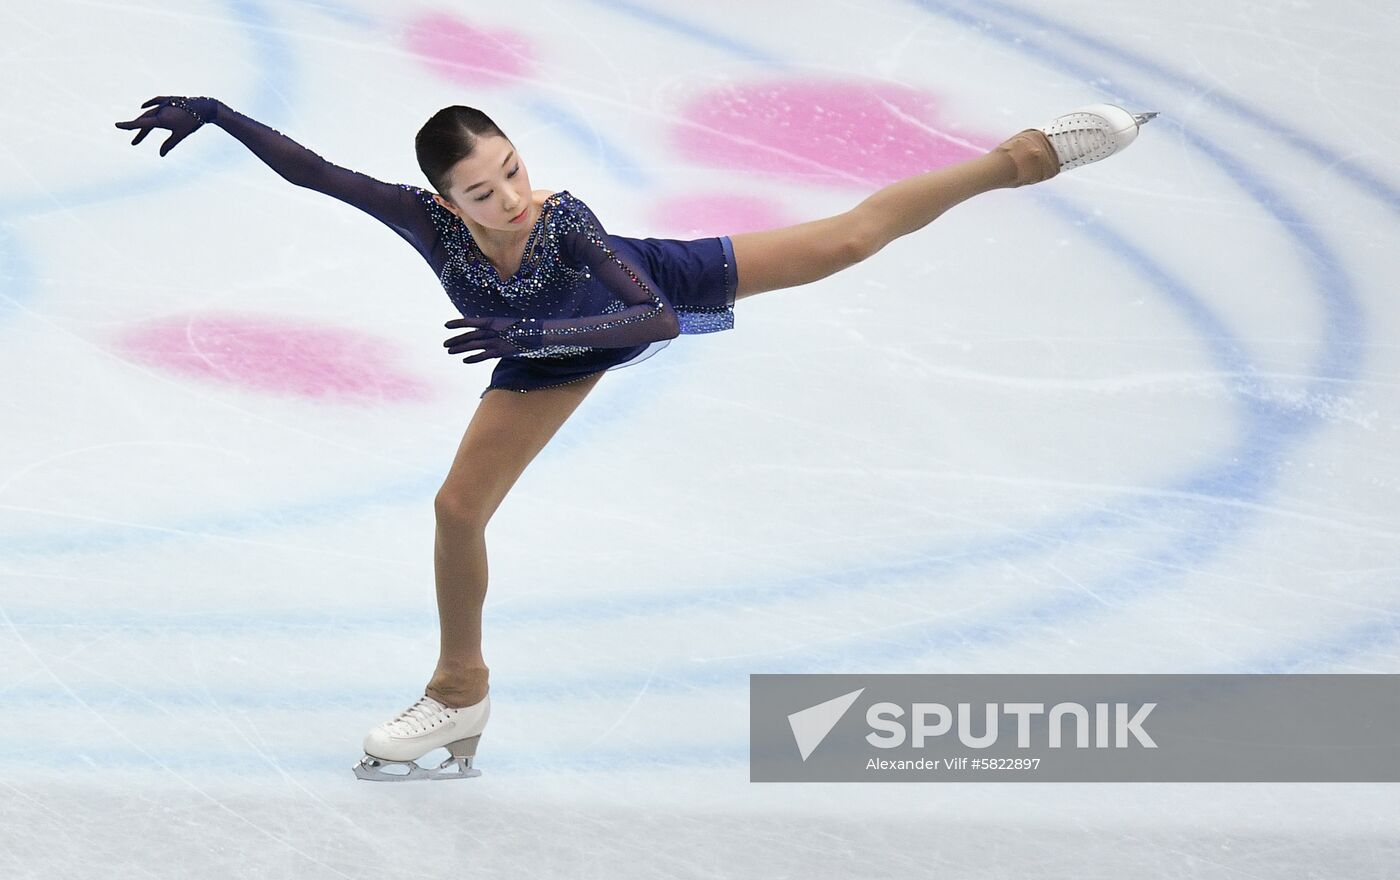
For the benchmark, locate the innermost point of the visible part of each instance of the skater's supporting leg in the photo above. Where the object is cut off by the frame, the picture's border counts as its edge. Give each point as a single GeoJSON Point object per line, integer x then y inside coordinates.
{"type": "Point", "coordinates": [796, 255]}
{"type": "Point", "coordinates": [505, 434]}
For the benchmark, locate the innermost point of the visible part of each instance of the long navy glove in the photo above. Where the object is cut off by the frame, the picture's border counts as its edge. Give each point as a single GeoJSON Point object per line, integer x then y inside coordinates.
{"type": "Point", "coordinates": [180, 115]}
{"type": "Point", "coordinates": [493, 338]}
{"type": "Point", "coordinates": [398, 208]}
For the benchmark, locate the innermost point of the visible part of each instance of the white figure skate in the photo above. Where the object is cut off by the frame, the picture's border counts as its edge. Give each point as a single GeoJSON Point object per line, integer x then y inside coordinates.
{"type": "Point", "coordinates": [1075, 139]}
{"type": "Point", "coordinates": [1092, 133]}
{"type": "Point", "coordinates": [393, 748]}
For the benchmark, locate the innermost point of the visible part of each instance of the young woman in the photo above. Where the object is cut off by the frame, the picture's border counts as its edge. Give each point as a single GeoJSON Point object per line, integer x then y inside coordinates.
{"type": "Point", "coordinates": [543, 287]}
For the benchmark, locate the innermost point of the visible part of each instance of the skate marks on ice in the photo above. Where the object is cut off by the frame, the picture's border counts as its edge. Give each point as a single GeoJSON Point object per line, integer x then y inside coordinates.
{"type": "Point", "coordinates": [138, 717]}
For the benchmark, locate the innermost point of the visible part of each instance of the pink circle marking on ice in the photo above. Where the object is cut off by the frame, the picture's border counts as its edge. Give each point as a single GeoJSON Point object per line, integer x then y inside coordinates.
{"type": "Point", "coordinates": [274, 354]}
{"type": "Point", "coordinates": [831, 133]}
{"type": "Point", "coordinates": [469, 55]}
{"type": "Point", "coordinates": [710, 215]}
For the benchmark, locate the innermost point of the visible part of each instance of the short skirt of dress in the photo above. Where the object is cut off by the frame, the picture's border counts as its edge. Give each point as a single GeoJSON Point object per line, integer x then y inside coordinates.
{"type": "Point", "coordinates": [698, 276]}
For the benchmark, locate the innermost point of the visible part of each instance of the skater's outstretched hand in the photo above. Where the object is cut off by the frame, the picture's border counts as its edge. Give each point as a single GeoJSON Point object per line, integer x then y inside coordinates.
{"type": "Point", "coordinates": [490, 337]}
{"type": "Point", "coordinates": [181, 116]}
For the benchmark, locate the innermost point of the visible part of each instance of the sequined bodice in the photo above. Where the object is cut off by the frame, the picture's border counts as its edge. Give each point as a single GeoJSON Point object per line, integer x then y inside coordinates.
{"type": "Point", "coordinates": [543, 284]}
{"type": "Point", "coordinates": [525, 254]}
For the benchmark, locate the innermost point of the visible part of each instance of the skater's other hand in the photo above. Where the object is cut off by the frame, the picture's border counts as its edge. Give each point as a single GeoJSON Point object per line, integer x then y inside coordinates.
{"type": "Point", "coordinates": [178, 121]}
{"type": "Point", "coordinates": [486, 337]}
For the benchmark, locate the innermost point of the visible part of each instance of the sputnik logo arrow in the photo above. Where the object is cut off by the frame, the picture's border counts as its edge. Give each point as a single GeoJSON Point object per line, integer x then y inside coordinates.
{"type": "Point", "coordinates": [811, 725]}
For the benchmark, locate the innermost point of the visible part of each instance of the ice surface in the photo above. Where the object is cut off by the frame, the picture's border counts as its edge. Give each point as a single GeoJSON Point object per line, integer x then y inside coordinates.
{"type": "Point", "coordinates": [1140, 419]}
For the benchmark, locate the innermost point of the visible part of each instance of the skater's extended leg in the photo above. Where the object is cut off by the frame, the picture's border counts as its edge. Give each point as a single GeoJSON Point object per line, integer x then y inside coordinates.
{"type": "Point", "coordinates": [505, 434]}
{"type": "Point", "coordinates": [796, 255]}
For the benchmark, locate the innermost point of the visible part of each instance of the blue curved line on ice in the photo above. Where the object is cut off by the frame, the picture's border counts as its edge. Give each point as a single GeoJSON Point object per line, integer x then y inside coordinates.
{"type": "Point", "coordinates": [1244, 472]}
{"type": "Point", "coordinates": [1369, 183]}
{"type": "Point", "coordinates": [1343, 336]}
{"type": "Point", "coordinates": [692, 31]}
{"type": "Point", "coordinates": [610, 156]}
{"type": "Point", "coordinates": [277, 66]}
{"type": "Point", "coordinates": [17, 287]}
{"type": "Point", "coordinates": [1225, 350]}
{"type": "Point", "coordinates": [341, 12]}
{"type": "Point", "coordinates": [1213, 333]}
{"type": "Point", "coordinates": [16, 271]}
{"type": "Point", "coordinates": [1334, 652]}
{"type": "Point", "coordinates": [1247, 479]}
{"type": "Point", "coordinates": [271, 55]}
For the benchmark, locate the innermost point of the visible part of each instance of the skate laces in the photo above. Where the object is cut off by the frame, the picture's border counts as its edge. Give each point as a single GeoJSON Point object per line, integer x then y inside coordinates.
{"type": "Point", "coordinates": [1078, 137]}
{"type": "Point", "coordinates": [419, 716]}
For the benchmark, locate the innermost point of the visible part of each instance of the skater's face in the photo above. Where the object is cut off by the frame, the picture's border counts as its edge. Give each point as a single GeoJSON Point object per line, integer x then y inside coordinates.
{"type": "Point", "coordinates": [491, 187]}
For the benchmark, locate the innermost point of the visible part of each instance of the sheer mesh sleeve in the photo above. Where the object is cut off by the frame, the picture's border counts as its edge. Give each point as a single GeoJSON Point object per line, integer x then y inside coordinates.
{"type": "Point", "coordinates": [395, 205]}
{"type": "Point", "coordinates": [644, 315]}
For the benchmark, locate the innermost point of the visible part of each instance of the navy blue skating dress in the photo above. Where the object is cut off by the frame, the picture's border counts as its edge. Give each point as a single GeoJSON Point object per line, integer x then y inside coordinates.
{"type": "Point", "coordinates": [599, 301]}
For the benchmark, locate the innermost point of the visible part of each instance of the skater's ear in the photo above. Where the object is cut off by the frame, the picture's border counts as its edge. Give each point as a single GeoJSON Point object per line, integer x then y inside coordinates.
{"type": "Point", "coordinates": [446, 204]}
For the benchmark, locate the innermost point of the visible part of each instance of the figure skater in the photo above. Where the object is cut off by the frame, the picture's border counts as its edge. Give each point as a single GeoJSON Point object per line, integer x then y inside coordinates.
{"type": "Point", "coordinates": [542, 286]}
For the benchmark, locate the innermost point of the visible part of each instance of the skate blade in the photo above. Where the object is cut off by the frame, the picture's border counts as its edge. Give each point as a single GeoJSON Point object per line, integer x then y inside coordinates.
{"type": "Point", "coordinates": [379, 770]}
